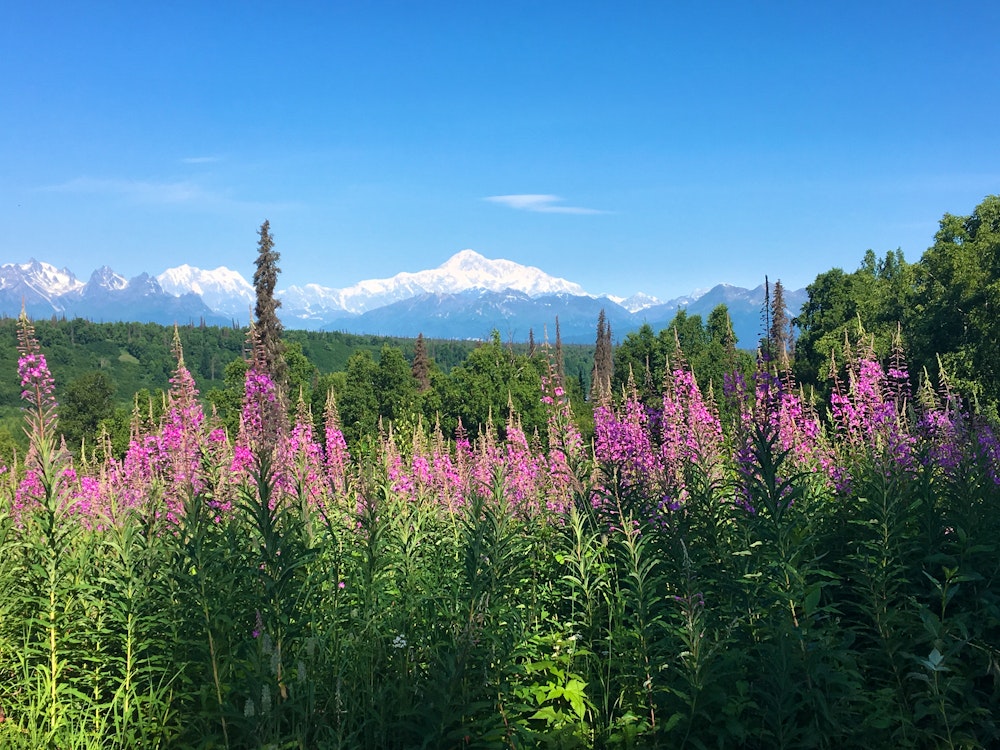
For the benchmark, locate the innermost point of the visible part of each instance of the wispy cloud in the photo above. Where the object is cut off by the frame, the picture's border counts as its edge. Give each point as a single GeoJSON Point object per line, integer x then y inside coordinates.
{"type": "Point", "coordinates": [540, 203]}
{"type": "Point", "coordinates": [201, 159]}
{"type": "Point", "coordinates": [160, 193]}
{"type": "Point", "coordinates": [145, 191]}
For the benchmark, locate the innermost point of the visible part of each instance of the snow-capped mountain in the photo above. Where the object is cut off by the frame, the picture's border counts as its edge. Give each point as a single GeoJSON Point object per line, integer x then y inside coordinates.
{"type": "Point", "coordinates": [462, 272]}
{"type": "Point", "coordinates": [637, 302]}
{"type": "Point", "coordinates": [223, 290]}
{"type": "Point", "coordinates": [44, 290]}
{"type": "Point", "coordinates": [35, 283]}
{"type": "Point", "coordinates": [106, 279]}
{"type": "Point", "coordinates": [465, 297]}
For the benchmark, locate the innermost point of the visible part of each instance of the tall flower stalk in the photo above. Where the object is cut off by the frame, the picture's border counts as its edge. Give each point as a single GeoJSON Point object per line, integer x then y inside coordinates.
{"type": "Point", "coordinates": [39, 506]}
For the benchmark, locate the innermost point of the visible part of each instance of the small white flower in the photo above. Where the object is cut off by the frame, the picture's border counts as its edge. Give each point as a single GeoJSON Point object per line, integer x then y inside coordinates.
{"type": "Point", "coordinates": [399, 641]}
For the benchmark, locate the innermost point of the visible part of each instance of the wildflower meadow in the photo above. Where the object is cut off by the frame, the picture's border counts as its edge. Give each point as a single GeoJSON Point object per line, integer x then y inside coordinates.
{"type": "Point", "coordinates": [744, 569]}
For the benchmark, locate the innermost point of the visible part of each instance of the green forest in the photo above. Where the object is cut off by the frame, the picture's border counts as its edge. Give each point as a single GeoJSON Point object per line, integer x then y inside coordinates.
{"type": "Point", "coordinates": [222, 538]}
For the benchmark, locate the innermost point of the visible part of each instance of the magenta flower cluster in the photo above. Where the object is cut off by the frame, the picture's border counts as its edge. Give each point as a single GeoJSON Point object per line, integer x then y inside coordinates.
{"type": "Point", "coordinates": [647, 453]}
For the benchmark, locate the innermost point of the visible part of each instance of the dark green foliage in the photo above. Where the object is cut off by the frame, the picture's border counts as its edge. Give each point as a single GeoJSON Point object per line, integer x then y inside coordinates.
{"type": "Point", "coordinates": [138, 360]}
{"type": "Point", "coordinates": [228, 400]}
{"type": "Point", "coordinates": [358, 402]}
{"type": "Point", "coordinates": [640, 357]}
{"type": "Point", "coordinates": [395, 386]}
{"type": "Point", "coordinates": [88, 400]}
{"type": "Point", "coordinates": [946, 304]}
{"type": "Point", "coordinates": [955, 304]}
{"type": "Point", "coordinates": [875, 299]}
{"type": "Point", "coordinates": [491, 381]}
{"type": "Point", "coordinates": [830, 308]}
{"type": "Point", "coordinates": [708, 349]}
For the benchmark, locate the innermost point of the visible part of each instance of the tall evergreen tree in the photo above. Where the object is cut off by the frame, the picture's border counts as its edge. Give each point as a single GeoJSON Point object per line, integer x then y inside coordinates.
{"type": "Point", "coordinates": [780, 333]}
{"type": "Point", "coordinates": [764, 343]}
{"type": "Point", "coordinates": [600, 381]}
{"type": "Point", "coordinates": [265, 278]}
{"type": "Point", "coordinates": [421, 365]}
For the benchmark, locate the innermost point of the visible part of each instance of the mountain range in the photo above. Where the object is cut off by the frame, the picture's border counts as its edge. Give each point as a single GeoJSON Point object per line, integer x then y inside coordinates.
{"type": "Point", "coordinates": [467, 297]}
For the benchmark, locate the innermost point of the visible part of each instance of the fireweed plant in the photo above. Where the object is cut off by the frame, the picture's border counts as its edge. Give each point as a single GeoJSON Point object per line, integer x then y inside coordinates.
{"type": "Point", "coordinates": [791, 574]}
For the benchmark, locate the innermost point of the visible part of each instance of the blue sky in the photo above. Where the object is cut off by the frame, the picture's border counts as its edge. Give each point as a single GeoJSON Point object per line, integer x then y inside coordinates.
{"type": "Point", "coordinates": [627, 146]}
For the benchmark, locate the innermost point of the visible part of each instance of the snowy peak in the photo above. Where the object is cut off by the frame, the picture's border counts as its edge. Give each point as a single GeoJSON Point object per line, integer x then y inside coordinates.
{"type": "Point", "coordinates": [105, 278]}
{"type": "Point", "coordinates": [465, 297]}
{"type": "Point", "coordinates": [36, 280]}
{"type": "Point", "coordinates": [637, 302]}
{"type": "Point", "coordinates": [464, 271]}
{"type": "Point", "coordinates": [470, 270]}
{"type": "Point", "coordinates": [222, 289]}
{"type": "Point", "coordinates": [144, 284]}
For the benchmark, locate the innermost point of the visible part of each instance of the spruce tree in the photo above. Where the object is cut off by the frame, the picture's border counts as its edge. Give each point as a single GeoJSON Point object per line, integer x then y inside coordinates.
{"type": "Point", "coordinates": [780, 334]}
{"type": "Point", "coordinates": [600, 381]}
{"type": "Point", "coordinates": [421, 365]}
{"type": "Point", "coordinates": [268, 326]}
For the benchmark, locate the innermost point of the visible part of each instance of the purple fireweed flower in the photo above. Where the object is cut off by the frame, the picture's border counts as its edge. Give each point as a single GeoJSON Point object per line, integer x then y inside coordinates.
{"type": "Point", "coordinates": [478, 461]}
{"type": "Point", "coordinates": [47, 457]}
{"type": "Point", "coordinates": [523, 471]}
{"type": "Point", "coordinates": [448, 482]}
{"type": "Point", "coordinates": [565, 445]}
{"type": "Point", "coordinates": [989, 452]}
{"type": "Point", "coordinates": [396, 470]}
{"type": "Point", "coordinates": [944, 435]}
{"type": "Point", "coordinates": [336, 458]}
{"type": "Point", "coordinates": [774, 419]}
{"type": "Point", "coordinates": [690, 433]}
{"type": "Point", "coordinates": [260, 403]}
{"type": "Point", "coordinates": [624, 447]}
{"type": "Point", "coordinates": [180, 439]}
{"type": "Point", "coordinates": [302, 462]}
{"type": "Point", "coordinates": [27, 496]}
{"type": "Point", "coordinates": [867, 417]}
{"type": "Point", "coordinates": [37, 385]}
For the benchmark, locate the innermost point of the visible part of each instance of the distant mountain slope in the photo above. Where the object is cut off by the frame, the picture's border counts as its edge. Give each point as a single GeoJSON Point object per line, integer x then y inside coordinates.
{"type": "Point", "coordinates": [466, 297]}
{"type": "Point", "coordinates": [464, 271]}
{"type": "Point", "coordinates": [223, 290]}
{"type": "Point", "coordinates": [35, 285]}
{"type": "Point", "coordinates": [476, 313]}
{"type": "Point", "coordinates": [44, 291]}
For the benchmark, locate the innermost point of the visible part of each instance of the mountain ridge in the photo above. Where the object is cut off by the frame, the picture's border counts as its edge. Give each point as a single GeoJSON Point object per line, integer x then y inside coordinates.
{"type": "Point", "coordinates": [467, 297]}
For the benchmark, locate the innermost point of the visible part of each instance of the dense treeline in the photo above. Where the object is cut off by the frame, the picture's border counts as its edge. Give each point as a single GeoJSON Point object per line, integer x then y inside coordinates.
{"type": "Point", "coordinates": [138, 355]}
{"type": "Point", "coordinates": [106, 371]}
{"type": "Point", "coordinates": [945, 308]}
